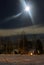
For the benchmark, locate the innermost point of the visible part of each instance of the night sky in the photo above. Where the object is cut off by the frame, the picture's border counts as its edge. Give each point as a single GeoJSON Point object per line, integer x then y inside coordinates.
{"type": "Point", "coordinates": [9, 8]}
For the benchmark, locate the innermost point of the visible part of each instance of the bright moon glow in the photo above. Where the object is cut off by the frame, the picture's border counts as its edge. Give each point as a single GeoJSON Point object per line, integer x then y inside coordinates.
{"type": "Point", "coordinates": [27, 8]}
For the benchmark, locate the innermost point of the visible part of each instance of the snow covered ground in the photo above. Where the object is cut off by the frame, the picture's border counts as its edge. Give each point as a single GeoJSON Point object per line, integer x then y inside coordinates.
{"type": "Point", "coordinates": [21, 60]}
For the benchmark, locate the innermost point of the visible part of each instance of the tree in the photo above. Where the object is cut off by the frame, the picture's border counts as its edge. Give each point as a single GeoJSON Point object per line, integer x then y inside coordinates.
{"type": "Point", "coordinates": [30, 45]}
{"type": "Point", "coordinates": [39, 47]}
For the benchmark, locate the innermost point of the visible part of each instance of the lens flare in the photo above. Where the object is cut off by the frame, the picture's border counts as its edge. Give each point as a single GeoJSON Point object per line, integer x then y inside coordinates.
{"type": "Point", "coordinates": [27, 8]}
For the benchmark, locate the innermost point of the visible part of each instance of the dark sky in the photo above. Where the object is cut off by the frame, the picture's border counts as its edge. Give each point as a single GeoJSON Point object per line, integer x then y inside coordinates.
{"type": "Point", "coordinates": [9, 8]}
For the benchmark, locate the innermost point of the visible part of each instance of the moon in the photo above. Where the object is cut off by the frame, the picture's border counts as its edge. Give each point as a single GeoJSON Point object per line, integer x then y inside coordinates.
{"type": "Point", "coordinates": [27, 8]}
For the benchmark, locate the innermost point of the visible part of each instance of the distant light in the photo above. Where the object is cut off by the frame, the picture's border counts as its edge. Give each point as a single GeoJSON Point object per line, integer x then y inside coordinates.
{"type": "Point", "coordinates": [38, 51]}
{"type": "Point", "coordinates": [27, 8]}
{"type": "Point", "coordinates": [31, 54]}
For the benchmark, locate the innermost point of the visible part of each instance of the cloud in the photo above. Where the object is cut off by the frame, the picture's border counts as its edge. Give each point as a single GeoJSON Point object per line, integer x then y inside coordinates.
{"type": "Point", "coordinates": [27, 30]}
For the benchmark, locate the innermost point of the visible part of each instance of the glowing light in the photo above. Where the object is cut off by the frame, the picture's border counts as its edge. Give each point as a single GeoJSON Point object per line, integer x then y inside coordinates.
{"type": "Point", "coordinates": [27, 8]}
{"type": "Point", "coordinates": [31, 54]}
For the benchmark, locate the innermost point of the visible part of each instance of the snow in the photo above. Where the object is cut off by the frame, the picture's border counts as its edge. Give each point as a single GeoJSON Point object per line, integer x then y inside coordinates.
{"type": "Point", "coordinates": [21, 60]}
